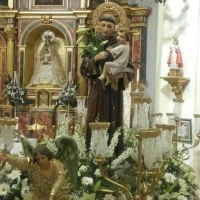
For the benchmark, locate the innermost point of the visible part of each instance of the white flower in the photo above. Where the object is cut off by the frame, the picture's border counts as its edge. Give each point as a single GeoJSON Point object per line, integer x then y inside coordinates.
{"type": "Point", "coordinates": [181, 182]}
{"type": "Point", "coordinates": [122, 197]}
{"type": "Point", "coordinates": [25, 186]}
{"type": "Point", "coordinates": [14, 174]}
{"type": "Point", "coordinates": [109, 197]}
{"type": "Point", "coordinates": [115, 163]}
{"type": "Point", "coordinates": [184, 188]}
{"type": "Point", "coordinates": [97, 173]}
{"type": "Point", "coordinates": [4, 188]}
{"type": "Point", "coordinates": [181, 197]}
{"type": "Point", "coordinates": [169, 177]}
{"type": "Point", "coordinates": [27, 196]}
{"type": "Point", "coordinates": [83, 168]}
{"type": "Point", "coordinates": [87, 181]}
{"type": "Point", "coordinates": [113, 143]}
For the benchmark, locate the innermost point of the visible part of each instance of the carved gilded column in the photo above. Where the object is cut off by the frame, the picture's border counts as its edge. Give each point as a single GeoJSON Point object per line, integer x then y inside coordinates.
{"type": "Point", "coordinates": [21, 61]}
{"type": "Point", "coordinates": [70, 61]}
{"type": "Point", "coordinates": [82, 16]}
{"type": "Point", "coordinates": [10, 35]}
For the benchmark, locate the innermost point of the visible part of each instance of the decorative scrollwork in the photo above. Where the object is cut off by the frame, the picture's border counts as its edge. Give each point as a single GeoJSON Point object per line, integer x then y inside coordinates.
{"type": "Point", "coordinates": [46, 19]}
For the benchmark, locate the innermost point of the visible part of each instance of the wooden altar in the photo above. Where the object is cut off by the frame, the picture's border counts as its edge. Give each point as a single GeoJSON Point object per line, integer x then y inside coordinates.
{"type": "Point", "coordinates": [21, 27]}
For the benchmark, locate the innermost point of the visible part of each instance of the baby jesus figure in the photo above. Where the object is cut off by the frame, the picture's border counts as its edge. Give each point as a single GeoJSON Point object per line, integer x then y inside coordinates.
{"type": "Point", "coordinates": [112, 71]}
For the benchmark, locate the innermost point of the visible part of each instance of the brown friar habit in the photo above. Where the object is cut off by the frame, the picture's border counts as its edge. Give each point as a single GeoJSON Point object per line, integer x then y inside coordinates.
{"type": "Point", "coordinates": [103, 103]}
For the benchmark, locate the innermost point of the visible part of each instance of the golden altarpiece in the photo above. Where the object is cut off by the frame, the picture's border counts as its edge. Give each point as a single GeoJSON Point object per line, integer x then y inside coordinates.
{"type": "Point", "coordinates": [30, 30]}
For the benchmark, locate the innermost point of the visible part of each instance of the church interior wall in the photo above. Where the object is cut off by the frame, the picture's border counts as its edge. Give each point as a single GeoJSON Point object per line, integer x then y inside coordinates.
{"type": "Point", "coordinates": [181, 18]}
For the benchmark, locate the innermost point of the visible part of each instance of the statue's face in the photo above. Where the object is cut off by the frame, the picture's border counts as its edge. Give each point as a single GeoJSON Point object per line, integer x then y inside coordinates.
{"type": "Point", "coordinates": [42, 161]}
{"type": "Point", "coordinates": [106, 29]}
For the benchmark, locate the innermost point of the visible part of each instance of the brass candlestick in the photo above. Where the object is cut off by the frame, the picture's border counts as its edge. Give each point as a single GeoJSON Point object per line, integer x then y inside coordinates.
{"type": "Point", "coordinates": [144, 133]}
{"type": "Point", "coordinates": [100, 161]}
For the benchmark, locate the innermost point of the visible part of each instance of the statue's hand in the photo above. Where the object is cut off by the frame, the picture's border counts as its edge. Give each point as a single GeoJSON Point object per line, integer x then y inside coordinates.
{"type": "Point", "coordinates": [4, 157]}
{"type": "Point", "coordinates": [101, 55]}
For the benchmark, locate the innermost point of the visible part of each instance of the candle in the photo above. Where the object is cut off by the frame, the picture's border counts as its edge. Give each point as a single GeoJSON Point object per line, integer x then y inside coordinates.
{"type": "Point", "coordinates": [10, 4]}
{"type": "Point", "coordinates": [82, 6]}
{"type": "Point", "coordinates": [17, 125]}
{"type": "Point", "coordinates": [138, 75]}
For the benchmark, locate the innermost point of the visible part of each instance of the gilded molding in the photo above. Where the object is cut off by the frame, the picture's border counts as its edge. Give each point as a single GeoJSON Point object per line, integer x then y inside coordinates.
{"type": "Point", "coordinates": [10, 33]}
{"type": "Point", "coordinates": [137, 11]}
{"type": "Point", "coordinates": [166, 127]}
{"type": "Point", "coordinates": [46, 19]}
{"type": "Point", "coordinates": [148, 133]}
{"type": "Point", "coordinates": [22, 47]}
{"type": "Point", "coordinates": [99, 125]}
{"type": "Point", "coordinates": [178, 84]}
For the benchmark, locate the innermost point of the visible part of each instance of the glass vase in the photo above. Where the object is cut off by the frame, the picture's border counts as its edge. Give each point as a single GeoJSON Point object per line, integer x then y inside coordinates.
{"type": "Point", "coordinates": [98, 144]}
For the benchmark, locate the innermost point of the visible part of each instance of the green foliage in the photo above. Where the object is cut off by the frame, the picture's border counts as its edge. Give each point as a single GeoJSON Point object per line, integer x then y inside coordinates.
{"type": "Point", "coordinates": [92, 46]}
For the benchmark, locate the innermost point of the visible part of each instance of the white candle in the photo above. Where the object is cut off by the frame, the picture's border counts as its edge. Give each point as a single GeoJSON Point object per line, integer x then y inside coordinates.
{"type": "Point", "coordinates": [138, 75]}
{"type": "Point", "coordinates": [82, 4]}
{"type": "Point", "coordinates": [10, 4]}
{"type": "Point", "coordinates": [17, 125]}
{"type": "Point", "coordinates": [70, 77]}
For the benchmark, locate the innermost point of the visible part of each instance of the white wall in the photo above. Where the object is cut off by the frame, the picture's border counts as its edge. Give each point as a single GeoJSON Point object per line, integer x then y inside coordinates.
{"type": "Point", "coordinates": [181, 18]}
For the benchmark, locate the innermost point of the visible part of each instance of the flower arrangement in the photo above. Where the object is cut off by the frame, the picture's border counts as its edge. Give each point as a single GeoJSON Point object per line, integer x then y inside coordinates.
{"type": "Point", "coordinates": [14, 93]}
{"type": "Point", "coordinates": [92, 44]}
{"type": "Point", "coordinates": [178, 182]}
{"type": "Point", "coordinates": [67, 96]}
{"type": "Point", "coordinates": [14, 184]}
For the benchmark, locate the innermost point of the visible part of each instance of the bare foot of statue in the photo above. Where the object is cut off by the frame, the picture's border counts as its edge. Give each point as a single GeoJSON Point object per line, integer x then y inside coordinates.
{"type": "Point", "coordinates": [107, 81]}
{"type": "Point", "coordinates": [102, 77]}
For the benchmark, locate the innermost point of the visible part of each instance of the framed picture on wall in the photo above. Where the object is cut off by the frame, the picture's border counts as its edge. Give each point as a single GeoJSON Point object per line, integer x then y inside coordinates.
{"type": "Point", "coordinates": [4, 3]}
{"type": "Point", "coordinates": [48, 2]}
{"type": "Point", "coordinates": [185, 130]}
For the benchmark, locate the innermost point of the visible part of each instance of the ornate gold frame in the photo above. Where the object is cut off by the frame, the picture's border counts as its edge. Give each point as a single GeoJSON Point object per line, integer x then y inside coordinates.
{"type": "Point", "coordinates": [110, 6]}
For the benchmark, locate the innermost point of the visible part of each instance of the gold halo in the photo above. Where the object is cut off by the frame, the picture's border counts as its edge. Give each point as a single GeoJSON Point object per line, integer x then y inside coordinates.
{"type": "Point", "coordinates": [110, 6]}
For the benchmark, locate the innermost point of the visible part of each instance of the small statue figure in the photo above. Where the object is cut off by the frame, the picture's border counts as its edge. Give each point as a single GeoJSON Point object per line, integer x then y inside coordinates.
{"type": "Point", "coordinates": [46, 170]}
{"type": "Point", "coordinates": [47, 70]}
{"type": "Point", "coordinates": [175, 57]}
{"type": "Point", "coordinates": [121, 58]}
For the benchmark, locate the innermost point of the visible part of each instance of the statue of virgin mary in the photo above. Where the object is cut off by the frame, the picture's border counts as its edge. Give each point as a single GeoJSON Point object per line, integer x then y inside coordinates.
{"type": "Point", "coordinates": [47, 70]}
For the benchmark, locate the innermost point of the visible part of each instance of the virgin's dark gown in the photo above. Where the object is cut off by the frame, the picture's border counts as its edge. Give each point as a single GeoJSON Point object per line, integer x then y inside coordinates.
{"type": "Point", "coordinates": [103, 103]}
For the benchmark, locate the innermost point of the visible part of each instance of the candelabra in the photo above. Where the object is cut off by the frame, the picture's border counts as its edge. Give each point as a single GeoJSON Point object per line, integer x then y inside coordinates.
{"type": "Point", "coordinates": [154, 147]}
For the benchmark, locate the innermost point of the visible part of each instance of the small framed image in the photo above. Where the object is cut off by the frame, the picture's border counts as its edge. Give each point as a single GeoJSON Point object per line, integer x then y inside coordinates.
{"type": "Point", "coordinates": [48, 4]}
{"type": "Point", "coordinates": [185, 131]}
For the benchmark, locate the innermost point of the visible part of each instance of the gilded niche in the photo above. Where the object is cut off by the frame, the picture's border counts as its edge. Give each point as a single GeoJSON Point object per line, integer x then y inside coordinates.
{"type": "Point", "coordinates": [48, 67]}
